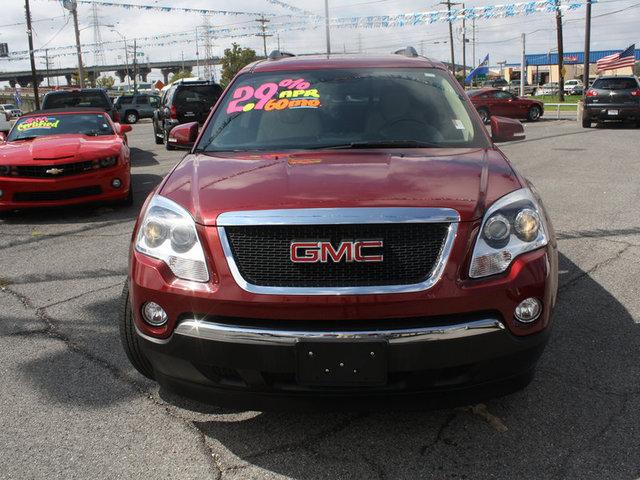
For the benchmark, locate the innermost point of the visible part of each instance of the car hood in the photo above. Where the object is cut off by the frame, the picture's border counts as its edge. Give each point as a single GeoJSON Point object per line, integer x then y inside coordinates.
{"type": "Point", "coordinates": [59, 147]}
{"type": "Point", "coordinates": [463, 179]}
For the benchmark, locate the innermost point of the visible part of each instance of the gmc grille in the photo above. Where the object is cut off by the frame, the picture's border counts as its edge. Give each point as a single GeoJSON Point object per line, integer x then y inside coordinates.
{"type": "Point", "coordinates": [411, 252]}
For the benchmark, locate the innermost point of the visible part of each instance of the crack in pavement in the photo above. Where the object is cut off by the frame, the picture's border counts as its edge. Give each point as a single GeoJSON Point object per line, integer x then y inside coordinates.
{"type": "Point", "coordinates": [586, 273]}
{"type": "Point", "coordinates": [439, 435]}
{"type": "Point", "coordinates": [86, 228]}
{"type": "Point", "coordinates": [305, 443]}
{"type": "Point", "coordinates": [52, 331]}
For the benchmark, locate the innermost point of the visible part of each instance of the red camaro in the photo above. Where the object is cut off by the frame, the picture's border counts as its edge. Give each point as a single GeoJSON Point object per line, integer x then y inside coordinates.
{"type": "Point", "coordinates": [490, 101]}
{"type": "Point", "coordinates": [63, 157]}
{"type": "Point", "coordinates": [343, 227]}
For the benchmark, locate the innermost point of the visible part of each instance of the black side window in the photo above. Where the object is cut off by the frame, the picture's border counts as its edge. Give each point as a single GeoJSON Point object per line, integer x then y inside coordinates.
{"type": "Point", "coordinates": [125, 100]}
{"type": "Point", "coordinates": [143, 100]}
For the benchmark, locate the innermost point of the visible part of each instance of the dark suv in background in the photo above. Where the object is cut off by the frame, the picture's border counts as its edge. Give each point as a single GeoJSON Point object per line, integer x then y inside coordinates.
{"type": "Point", "coordinates": [134, 107]}
{"type": "Point", "coordinates": [184, 101]}
{"type": "Point", "coordinates": [86, 97]}
{"type": "Point", "coordinates": [612, 98]}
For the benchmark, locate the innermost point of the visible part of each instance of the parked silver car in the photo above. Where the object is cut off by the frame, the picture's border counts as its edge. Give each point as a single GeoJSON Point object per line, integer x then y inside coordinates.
{"type": "Point", "coordinates": [11, 110]}
{"type": "Point", "coordinates": [551, 88]}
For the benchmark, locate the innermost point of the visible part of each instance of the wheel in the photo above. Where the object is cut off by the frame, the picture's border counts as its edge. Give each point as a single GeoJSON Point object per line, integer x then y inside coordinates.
{"type": "Point", "coordinates": [158, 138]}
{"type": "Point", "coordinates": [534, 114]}
{"type": "Point", "coordinates": [586, 123]}
{"type": "Point", "coordinates": [131, 117]}
{"type": "Point", "coordinates": [167, 145]}
{"type": "Point", "coordinates": [484, 115]}
{"type": "Point", "coordinates": [129, 338]}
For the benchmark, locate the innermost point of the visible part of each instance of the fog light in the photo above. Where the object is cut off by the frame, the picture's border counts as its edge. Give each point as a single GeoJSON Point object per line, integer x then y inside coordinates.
{"type": "Point", "coordinates": [1, 193]}
{"type": "Point", "coordinates": [154, 314]}
{"type": "Point", "coordinates": [528, 310]}
{"type": "Point", "coordinates": [116, 183]}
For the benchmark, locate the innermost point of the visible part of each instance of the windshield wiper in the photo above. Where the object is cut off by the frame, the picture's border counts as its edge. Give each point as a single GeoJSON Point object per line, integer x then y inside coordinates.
{"type": "Point", "coordinates": [380, 144]}
{"type": "Point", "coordinates": [30, 137]}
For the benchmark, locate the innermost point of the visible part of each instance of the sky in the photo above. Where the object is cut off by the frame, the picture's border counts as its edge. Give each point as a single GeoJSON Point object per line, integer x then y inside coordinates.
{"type": "Point", "coordinates": [614, 26]}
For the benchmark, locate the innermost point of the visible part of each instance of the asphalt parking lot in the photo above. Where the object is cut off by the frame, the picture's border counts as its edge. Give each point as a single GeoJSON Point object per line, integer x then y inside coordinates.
{"type": "Point", "coordinates": [71, 406]}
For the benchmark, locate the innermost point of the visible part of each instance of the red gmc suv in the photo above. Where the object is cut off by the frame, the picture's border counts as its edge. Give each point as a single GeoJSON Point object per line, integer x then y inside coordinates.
{"type": "Point", "coordinates": [343, 227]}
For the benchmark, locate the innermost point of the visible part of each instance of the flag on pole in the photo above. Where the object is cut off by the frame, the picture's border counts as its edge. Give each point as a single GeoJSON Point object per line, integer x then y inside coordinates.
{"type": "Point", "coordinates": [481, 69]}
{"type": "Point", "coordinates": [17, 97]}
{"type": "Point", "coordinates": [626, 58]}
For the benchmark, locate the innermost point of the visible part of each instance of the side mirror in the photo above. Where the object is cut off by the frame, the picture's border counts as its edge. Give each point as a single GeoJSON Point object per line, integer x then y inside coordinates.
{"type": "Point", "coordinates": [184, 135]}
{"type": "Point", "coordinates": [506, 129]}
{"type": "Point", "coordinates": [122, 129]}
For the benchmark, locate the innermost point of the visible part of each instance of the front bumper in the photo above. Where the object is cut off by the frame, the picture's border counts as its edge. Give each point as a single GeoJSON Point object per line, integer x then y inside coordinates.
{"type": "Point", "coordinates": [604, 112]}
{"type": "Point", "coordinates": [213, 346]}
{"type": "Point", "coordinates": [21, 192]}
{"type": "Point", "coordinates": [433, 362]}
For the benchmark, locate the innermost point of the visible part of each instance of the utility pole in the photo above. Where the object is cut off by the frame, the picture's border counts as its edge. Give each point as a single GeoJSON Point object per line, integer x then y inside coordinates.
{"type": "Point", "coordinates": [278, 42]}
{"type": "Point", "coordinates": [135, 66]}
{"type": "Point", "coordinates": [263, 27]}
{"type": "Point", "coordinates": [73, 7]}
{"type": "Point", "coordinates": [327, 26]}
{"type": "Point", "coordinates": [448, 3]}
{"type": "Point", "coordinates": [464, 47]}
{"type": "Point", "coordinates": [46, 62]}
{"type": "Point", "coordinates": [34, 76]}
{"type": "Point", "coordinates": [473, 43]}
{"type": "Point", "coordinates": [560, 53]}
{"type": "Point", "coordinates": [522, 66]}
{"type": "Point", "coordinates": [197, 55]}
{"type": "Point", "coordinates": [359, 43]}
{"type": "Point", "coordinates": [587, 48]}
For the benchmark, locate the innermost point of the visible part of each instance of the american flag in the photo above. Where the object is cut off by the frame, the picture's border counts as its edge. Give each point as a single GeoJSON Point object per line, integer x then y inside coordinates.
{"type": "Point", "coordinates": [627, 58]}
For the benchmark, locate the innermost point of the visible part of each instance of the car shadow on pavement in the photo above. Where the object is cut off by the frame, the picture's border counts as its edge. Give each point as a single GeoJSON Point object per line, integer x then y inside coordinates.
{"type": "Point", "coordinates": [142, 158]}
{"type": "Point", "coordinates": [576, 419]}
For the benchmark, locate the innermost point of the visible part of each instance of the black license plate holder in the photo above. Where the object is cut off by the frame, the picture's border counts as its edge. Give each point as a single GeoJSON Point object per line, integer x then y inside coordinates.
{"type": "Point", "coordinates": [341, 364]}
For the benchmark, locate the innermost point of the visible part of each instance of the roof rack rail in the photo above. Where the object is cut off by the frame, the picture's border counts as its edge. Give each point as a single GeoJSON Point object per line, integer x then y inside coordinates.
{"type": "Point", "coordinates": [407, 52]}
{"type": "Point", "coordinates": [277, 54]}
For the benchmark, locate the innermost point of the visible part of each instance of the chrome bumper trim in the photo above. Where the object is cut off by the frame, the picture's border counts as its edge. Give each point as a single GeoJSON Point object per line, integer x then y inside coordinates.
{"type": "Point", "coordinates": [204, 330]}
{"type": "Point", "coordinates": [339, 216]}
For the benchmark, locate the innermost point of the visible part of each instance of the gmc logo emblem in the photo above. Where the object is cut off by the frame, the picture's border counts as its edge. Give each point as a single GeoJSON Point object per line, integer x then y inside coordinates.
{"type": "Point", "coordinates": [349, 251]}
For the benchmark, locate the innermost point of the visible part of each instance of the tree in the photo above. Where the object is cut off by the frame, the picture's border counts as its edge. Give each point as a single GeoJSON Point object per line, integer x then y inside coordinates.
{"type": "Point", "coordinates": [105, 82]}
{"type": "Point", "coordinates": [179, 75]}
{"type": "Point", "coordinates": [75, 79]}
{"type": "Point", "coordinates": [235, 58]}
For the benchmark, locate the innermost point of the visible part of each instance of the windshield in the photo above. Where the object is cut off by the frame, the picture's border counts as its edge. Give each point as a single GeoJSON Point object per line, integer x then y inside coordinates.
{"type": "Point", "coordinates": [9, 107]}
{"type": "Point", "coordinates": [43, 125]}
{"type": "Point", "coordinates": [75, 99]}
{"type": "Point", "coordinates": [332, 108]}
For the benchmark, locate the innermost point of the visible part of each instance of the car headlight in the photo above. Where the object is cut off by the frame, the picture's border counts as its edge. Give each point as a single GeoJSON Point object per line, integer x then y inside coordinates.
{"type": "Point", "coordinates": [168, 232]}
{"type": "Point", "coordinates": [108, 162]}
{"type": "Point", "coordinates": [513, 225]}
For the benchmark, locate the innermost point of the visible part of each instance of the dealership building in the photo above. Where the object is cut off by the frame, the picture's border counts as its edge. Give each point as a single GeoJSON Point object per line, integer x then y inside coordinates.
{"type": "Point", "coordinates": [543, 67]}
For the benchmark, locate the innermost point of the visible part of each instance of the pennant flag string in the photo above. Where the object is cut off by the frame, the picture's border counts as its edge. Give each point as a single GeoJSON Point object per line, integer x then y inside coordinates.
{"type": "Point", "coordinates": [166, 9]}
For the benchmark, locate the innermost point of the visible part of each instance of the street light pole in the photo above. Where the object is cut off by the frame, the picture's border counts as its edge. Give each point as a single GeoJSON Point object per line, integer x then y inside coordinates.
{"type": "Point", "coordinates": [587, 48]}
{"type": "Point", "coordinates": [34, 76]}
{"type": "Point", "coordinates": [126, 56]}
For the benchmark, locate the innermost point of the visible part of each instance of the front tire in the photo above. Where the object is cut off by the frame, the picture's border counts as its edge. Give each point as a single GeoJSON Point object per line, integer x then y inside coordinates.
{"type": "Point", "coordinates": [534, 114]}
{"type": "Point", "coordinates": [167, 145]}
{"type": "Point", "coordinates": [158, 138]}
{"type": "Point", "coordinates": [129, 338]}
{"type": "Point", "coordinates": [586, 123]}
{"type": "Point", "coordinates": [484, 115]}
